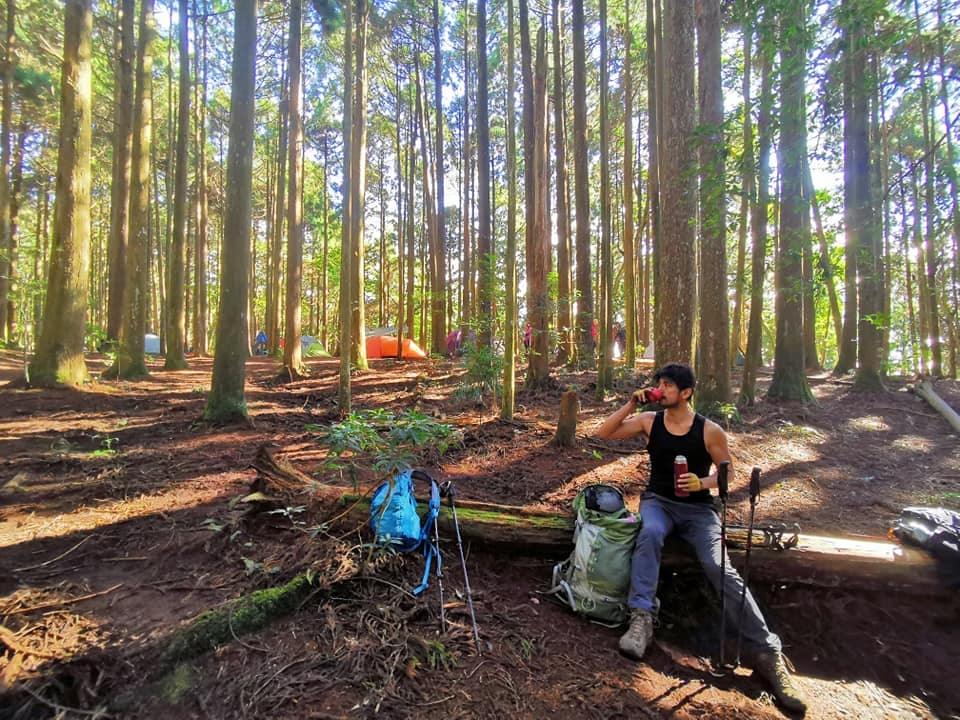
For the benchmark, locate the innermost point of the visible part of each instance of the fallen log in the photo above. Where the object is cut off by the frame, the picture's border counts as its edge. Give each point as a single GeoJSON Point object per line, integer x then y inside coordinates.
{"type": "Point", "coordinates": [849, 562]}
{"type": "Point", "coordinates": [926, 391]}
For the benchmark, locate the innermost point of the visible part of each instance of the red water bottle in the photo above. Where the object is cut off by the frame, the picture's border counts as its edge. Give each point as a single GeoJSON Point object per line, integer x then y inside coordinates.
{"type": "Point", "coordinates": [654, 395]}
{"type": "Point", "coordinates": [679, 468]}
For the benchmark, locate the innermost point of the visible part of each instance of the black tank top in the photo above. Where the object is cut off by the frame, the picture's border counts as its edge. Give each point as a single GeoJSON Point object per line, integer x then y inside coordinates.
{"type": "Point", "coordinates": [663, 447]}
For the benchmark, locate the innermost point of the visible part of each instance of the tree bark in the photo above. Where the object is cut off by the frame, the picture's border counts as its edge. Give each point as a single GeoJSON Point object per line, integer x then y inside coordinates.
{"type": "Point", "coordinates": [6, 128]}
{"type": "Point", "coordinates": [789, 377]}
{"type": "Point", "coordinates": [677, 286]}
{"type": "Point", "coordinates": [629, 244]}
{"type": "Point", "coordinates": [59, 355]}
{"type": "Point", "coordinates": [176, 307]}
{"type": "Point", "coordinates": [292, 352]}
{"type": "Point", "coordinates": [131, 361]}
{"type": "Point", "coordinates": [566, 350]}
{"type": "Point", "coordinates": [581, 194]}
{"type": "Point", "coordinates": [566, 435]}
{"type": "Point", "coordinates": [226, 402]}
{"type": "Point", "coordinates": [713, 358]}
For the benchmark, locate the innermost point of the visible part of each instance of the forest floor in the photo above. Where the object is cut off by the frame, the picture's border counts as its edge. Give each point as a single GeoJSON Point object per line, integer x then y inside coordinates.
{"type": "Point", "coordinates": [119, 522]}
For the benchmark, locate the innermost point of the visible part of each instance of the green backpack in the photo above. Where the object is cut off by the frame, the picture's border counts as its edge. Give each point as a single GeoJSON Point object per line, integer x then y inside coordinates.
{"type": "Point", "coordinates": [595, 579]}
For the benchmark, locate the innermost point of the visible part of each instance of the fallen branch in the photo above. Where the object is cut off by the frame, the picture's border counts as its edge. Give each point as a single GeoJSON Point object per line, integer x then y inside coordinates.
{"type": "Point", "coordinates": [214, 628]}
{"type": "Point", "coordinates": [58, 603]}
{"type": "Point", "coordinates": [926, 391]}
{"type": "Point", "coordinates": [53, 560]}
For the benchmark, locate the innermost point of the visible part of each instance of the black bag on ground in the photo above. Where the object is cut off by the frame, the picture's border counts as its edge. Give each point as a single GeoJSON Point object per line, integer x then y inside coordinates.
{"type": "Point", "coordinates": [936, 530]}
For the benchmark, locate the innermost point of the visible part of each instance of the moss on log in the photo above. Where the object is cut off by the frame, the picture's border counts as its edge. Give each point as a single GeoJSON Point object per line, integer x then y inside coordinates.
{"type": "Point", "coordinates": [214, 628]}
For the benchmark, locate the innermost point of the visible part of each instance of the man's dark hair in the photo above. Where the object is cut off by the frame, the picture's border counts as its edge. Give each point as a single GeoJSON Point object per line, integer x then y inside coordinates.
{"type": "Point", "coordinates": [679, 374]}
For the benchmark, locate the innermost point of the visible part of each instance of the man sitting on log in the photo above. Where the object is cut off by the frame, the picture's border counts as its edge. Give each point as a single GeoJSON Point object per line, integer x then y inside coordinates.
{"type": "Point", "coordinates": [684, 505]}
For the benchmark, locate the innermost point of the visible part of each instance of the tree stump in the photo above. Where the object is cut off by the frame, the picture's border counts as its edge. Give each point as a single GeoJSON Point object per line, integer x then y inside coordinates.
{"type": "Point", "coordinates": [566, 435]}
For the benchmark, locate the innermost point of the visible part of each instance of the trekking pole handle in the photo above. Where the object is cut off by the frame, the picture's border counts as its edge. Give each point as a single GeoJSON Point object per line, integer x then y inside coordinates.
{"type": "Point", "coordinates": [723, 479]}
{"type": "Point", "coordinates": [754, 485]}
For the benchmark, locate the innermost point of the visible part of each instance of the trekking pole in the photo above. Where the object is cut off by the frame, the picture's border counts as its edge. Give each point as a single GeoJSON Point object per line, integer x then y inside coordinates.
{"type": "Point", "coordinates": [436, 544]}
{"type": "Point", "coordinates": [723, 485]}
{"type": "Point", "coordinates": [754, 493]}
{"type": "Point", "coordinates": [448, 488]}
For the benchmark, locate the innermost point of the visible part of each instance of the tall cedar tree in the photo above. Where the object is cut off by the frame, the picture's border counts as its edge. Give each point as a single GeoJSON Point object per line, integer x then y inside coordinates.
{"type": "Point", "coordinates": [122, 150]}
{"type": "Point", "coordinates": [789, 374]}
{"type": "Point", "coordinates": [292, 352]}
{"type": "Point", "coordinates": [677, 287]}
{"type": "Point", "coordinates": [59, 355]}
{"type": "Point", "coordinates": [131, 360]}
{"type": "Point", "coordinates": [713, 358]}
{"type": "Point", "coordinates": [176, 306]}
{"type": "Point", "coordinates": [226, 402]}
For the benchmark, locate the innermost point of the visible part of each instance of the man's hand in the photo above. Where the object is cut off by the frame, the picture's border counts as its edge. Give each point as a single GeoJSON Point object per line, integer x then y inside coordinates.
{"type": "Point", "coordinates": [689, 482]}
{"type": "Point", "coordinates": [647, 395]}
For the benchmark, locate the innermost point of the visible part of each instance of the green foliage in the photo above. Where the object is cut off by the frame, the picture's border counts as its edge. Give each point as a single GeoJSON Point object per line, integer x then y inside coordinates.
{"type": "Point", "coordinates": [213, 628]}
{"type": "Point", "coordinates": [107, 447]}
{"type": "Point", "coordinates": [483, 376]}
{"type": "Point", "coordinates": [725, 413]}
{"type": "Point", "coordinates": [392, 439]}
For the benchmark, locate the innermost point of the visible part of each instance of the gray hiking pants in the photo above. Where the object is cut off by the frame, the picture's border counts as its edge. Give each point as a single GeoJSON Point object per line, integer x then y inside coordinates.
{"type": "Point", "coordinates": [699, 526]}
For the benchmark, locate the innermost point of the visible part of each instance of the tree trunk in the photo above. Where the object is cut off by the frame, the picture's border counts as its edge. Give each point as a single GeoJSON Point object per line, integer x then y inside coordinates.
{"type": "Point", "coordinates": [176, 307]}
{"type": "Point", "coordinates": [510, 249]}
{"type": "Point", "coordinates": [59, 355]}
{"type": "Point", "coordinates": [6, 128]}
{"type": "Point", "coordinates": [789, 376]}
{"type": "Point", "coordinates": [566, 434]}
{"type": "Point", "coordinates": [439, 256]}
{"type": "Point", "coordinates": [629, 244]}
{"type": "Point", "coordinates": [753, 357]}
{"type": "Point", "coordinates": [581, 181]}
{"type": "Point", "coordinates": [292, 352]}
{"type": "Point", "coordinates": [346, 277]}
{"type": "Point", "coordinates": [226, 402]}
{"type": "Point", "coordinates": [677, 286]}
{"type": "Point", "coordinates": [748, 174]}
{"type": "Point", "coordinates": [930, 212]}
{"type": "Point", "coordinates": [358, 187]}
{"type": "Point", "coordinates": [200, 255]}
{"type": "Point", "coordinates": [536, 188]}
{"type": "Point", "coordinates": [131, 361]}
{"type": "Point", "coordinates": [857, 134]}
{"type": "Point", "coordinates": [275, 241]}
{"type": "Point", "coordinates": [713, 358]}
{"type": "Point", "coordinates": [605, 293]}
{"type": "Point", "coordinates": [654, 95]}
{"type": "Point", "coordinates": [468, 292]}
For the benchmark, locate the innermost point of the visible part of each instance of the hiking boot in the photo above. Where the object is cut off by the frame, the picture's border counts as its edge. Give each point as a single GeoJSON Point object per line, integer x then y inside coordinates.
{"type": "Point", "coordinates": [635, 640]}
{"type": "Point", "coordinates": [771, 667]}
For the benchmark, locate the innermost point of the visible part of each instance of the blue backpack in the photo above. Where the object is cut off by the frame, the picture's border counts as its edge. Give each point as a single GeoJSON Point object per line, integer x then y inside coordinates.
{"type": "Point", "coordinates": [397, 524]}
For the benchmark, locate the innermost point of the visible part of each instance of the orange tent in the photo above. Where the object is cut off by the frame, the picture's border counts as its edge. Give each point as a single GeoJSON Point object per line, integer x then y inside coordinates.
{"type": "Point", "coordinates": [385, 346]}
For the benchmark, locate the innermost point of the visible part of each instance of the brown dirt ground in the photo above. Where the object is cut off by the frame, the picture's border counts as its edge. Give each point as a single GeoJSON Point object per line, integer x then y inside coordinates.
{"type": "Point", "coordinates": [118, 523]}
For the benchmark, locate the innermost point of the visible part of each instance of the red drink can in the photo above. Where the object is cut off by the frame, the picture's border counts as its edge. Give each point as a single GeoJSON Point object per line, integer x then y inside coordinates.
{"type": "Point", "coordinates": [679, 468]}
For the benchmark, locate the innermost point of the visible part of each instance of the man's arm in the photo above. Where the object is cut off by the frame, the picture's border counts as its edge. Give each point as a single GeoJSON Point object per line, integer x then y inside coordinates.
{"type": "Point", "coordinates": [625, 422]}
{"type": "Point", "coordinates": [715, 440]}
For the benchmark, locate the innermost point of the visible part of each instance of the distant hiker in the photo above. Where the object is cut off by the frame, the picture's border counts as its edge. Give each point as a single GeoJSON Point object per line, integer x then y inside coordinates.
{"type": "Point", "coordinates": [678, 430]}
{"type": "Point", "coordinates": [453, 342]}
{"type": "Point", "coordinates": [527, 336]}
{"type": "Point", "coordinates": [260, 345]}
{"type": "Point", "coordinates": [621, 336]}
{"type": "Point", "coordinates": [594, 335]}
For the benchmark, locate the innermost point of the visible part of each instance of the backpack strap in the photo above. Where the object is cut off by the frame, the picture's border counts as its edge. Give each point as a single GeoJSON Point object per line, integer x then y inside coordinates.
{"type": "Point", "coordinates": [430, 547]}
